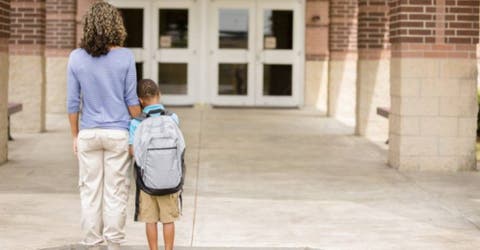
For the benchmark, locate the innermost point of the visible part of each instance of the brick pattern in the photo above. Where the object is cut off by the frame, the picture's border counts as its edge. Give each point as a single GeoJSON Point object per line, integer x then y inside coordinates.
{"type": "Point", "coordinates": [4, 18]}
{"type": "Point", "coordinates": [60, 27]}
{"type": "Point", "coordinates": [461, 21]}
{"type": "Point", "coordinates": [27, 27]}
{"type": "Point", "coordinates": [316, 21]}
{"type": "Point", "coordinates": [412, 21]}
{"type": "Point", "coordinates": [434, 28]}
{"type": "Point", "coordinates": [343, 27]}
{"type": "Point", "coordinates": [373, 29]}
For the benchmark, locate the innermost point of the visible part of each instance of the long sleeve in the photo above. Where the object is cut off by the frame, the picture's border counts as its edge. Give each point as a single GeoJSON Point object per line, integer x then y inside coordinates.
{"type": "Point", "coordinates": [73, 90]}
{"type": "Point", "coordinates": [130, 94]}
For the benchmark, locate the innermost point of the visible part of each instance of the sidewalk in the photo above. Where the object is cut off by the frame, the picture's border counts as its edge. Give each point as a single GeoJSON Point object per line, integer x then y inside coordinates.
{"type": "Point", "coordinates": [256, 178]}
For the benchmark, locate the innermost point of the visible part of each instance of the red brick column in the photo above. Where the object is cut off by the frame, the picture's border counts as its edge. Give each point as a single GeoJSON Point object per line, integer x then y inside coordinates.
{"type": "Point", "coordinates": [373, 76]}
{"type": "Point", "coordinates": [4, 36]}
{"type": "Point", "coordinates": [27, 64]}
{"type": "Point", "coordinates": [316, 66]}
{"type": "Point", "coordinates": [433, 84]}
{"type": "Point", "coordinates": [60, 41]}
{"type": "Point", "coordinates": [343, 59]}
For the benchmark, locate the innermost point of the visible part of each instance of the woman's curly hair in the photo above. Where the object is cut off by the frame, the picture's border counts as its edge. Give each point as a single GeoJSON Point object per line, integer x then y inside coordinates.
{"type": "Point", "coordinates": [103, 28]}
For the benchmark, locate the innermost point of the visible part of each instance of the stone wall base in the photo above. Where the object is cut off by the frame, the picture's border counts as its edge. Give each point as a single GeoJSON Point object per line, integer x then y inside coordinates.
{"type": "Point", "coordinates": [434, 114]}
{"type": "Point", "coordinates": [342, 90]}
{"type": "Point", "coordinates": [3, 106]}
{"type": "Point", "coordinates": [56, 93]}
{"type": "Point", "coordinates": [27, 86]}
{"type": "Point", "coordinates": [373, 90]}
{"type": "Point", "coordinates": [316, 85]}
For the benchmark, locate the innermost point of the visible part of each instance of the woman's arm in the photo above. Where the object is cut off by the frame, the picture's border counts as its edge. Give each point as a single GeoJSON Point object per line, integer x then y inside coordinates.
{"type": "Point", "coordinates": [130, 94]}
{"type": "Point", "coordinates": [134, 111]}
{"type": "Point", "coordinates": [73, 118]}
{"type": "Point", "coordinates": [73, 102]}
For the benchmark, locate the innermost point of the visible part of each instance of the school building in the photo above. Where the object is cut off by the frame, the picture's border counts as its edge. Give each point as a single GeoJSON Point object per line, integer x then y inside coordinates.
{"type": "Point", "coordinates": [418, 58]}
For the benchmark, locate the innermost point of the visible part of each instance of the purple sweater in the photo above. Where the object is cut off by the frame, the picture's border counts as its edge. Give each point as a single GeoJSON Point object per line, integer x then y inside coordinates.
{"type": "Point", "coordinates": [101, 88]}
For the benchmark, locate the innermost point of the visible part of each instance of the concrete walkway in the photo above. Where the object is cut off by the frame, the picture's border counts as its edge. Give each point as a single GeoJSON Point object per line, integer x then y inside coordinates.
{"type": "Point", "coordinates": [256, 178]}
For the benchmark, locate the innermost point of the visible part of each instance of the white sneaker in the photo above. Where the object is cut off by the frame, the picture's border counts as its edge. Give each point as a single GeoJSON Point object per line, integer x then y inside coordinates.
{"type": "Point", "coordinates": [113, 246]}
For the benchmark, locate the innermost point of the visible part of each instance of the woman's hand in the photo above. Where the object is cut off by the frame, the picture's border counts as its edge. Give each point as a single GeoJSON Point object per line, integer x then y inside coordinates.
{"type": "Point", "coordinates": [75, 149]}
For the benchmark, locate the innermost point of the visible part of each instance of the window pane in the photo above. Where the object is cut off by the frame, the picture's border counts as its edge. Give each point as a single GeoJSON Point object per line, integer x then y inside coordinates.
{"type": "Point", "coordinates": [133, 20]}
{"type": "Point", "coordinates": [173, 29]}
{"type": "Point", "coordinates": [233, 33]}
{"type": "Point", "coordinates": [139, 68]}
{"type": "Point", "coordinates": [232, 79]}
{"type": "Point", "coordinates": [172, 78]}
{"type": "Point", "coordinates": [277, 80]}
{"type": "Point", "coordinates": [278, 29]}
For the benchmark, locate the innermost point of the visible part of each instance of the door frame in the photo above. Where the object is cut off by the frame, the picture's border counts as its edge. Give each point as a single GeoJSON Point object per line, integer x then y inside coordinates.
{"type": "Point", "coordinates": [201, 86]}
{"type": "Point", "coordinates": [258, 56]}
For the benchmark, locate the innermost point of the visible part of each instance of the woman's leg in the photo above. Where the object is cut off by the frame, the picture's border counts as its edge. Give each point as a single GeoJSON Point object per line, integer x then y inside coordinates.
{"type": "Point", "coordinates": [90, 158]}
{"type": "Point", "coordinates": [117, 162]}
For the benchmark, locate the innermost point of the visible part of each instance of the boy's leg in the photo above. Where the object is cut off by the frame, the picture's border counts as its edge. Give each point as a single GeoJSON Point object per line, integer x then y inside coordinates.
{"type": "Point", "coordinates": [168, 235]}
{"type": "Point", "coordinates": [152, 235]}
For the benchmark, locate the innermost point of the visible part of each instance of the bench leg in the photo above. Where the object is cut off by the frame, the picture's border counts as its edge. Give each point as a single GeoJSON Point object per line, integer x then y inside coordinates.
{"type": "Point", "coordinates": [10, 138]}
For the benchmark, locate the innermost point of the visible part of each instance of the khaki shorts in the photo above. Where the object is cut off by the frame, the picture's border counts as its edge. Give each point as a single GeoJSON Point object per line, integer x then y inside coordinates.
{"type": "Point", "coordinates": [164, 208]}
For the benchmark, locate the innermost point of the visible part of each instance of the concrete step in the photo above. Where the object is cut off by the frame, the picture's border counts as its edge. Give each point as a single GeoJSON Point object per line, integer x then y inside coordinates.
{"type": "Point", "coordinates": [80, 247]}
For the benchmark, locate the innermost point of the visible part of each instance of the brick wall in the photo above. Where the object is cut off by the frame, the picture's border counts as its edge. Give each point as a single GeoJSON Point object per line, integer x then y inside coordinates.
{"type": "Point", "coordinates": [4, 18]}
{"type": "Point", "coordinates": [373, 25]}
{"type": "Point", "coordinates": [317, 19]}
{"type": "Point", "coordinates": [434, 28]}
{"type": "Point", "coordinates": [60, 26]}
{"type": "Point", "coordinates": [27, 27]}
{"type": "Point", "coordinates": [459, 28]}
{"type": "Point", "coordinates": [343, 27]}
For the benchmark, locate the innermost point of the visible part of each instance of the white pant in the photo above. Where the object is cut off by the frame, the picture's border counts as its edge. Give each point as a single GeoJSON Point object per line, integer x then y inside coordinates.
{"type": "Point", "coordinates": [104, 182]}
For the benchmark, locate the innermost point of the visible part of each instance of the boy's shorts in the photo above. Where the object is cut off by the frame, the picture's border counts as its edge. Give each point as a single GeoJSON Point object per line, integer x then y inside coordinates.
{"type": "Point", "coordinates": [164, 208]}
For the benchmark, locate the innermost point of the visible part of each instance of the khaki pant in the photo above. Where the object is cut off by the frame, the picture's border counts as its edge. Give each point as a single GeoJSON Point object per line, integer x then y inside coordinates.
{"type": "Point", "coordinates": [104, 182]}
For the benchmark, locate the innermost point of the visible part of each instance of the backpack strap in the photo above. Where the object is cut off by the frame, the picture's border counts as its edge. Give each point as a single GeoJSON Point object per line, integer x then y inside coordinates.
{"type": "Point", "coordinates": [144, 116]}
{"type": "Point", "coordinates": [156, 111]}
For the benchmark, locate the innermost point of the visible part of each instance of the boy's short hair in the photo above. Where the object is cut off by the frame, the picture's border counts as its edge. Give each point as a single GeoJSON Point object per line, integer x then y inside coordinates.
{"type": "Point", "coordinates": [147, 88]}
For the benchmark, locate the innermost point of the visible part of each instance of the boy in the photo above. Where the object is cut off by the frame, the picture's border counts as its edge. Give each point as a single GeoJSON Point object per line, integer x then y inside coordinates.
{"type": "Point", "coordinates": [153, 209]}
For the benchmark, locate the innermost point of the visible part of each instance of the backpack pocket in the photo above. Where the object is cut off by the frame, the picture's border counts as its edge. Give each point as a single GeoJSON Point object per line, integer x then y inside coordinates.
{"type": "Point", "coordinates": [161, 169]}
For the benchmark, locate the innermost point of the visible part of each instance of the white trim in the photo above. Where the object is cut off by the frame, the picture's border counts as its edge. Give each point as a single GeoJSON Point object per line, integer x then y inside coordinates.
{"type": "Point", "coordinates": [203, 59]}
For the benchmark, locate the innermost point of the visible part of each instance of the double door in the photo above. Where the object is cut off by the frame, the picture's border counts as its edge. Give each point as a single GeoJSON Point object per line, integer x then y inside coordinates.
{"type": "Point", "coordinates": [222, 52]}
{"type": "Point", "coordinates": [163, 37]}
{"type": "Point", "coordinates": [255, 52]}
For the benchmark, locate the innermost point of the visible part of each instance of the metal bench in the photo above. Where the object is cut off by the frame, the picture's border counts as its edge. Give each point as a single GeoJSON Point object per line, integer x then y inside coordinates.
{"type": "Point", "coordinates": [383, 112]}
{"type": "Point", "coordinates": [12, 109]}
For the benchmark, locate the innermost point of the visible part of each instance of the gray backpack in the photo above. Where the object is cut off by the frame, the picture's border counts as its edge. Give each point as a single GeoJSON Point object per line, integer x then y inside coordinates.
{"type": "Point", "coordinates": [159, 150]}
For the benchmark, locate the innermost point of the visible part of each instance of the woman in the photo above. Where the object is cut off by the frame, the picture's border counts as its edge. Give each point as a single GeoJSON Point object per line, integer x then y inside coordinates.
{"type": "Point", "coordinates": [102, 81]}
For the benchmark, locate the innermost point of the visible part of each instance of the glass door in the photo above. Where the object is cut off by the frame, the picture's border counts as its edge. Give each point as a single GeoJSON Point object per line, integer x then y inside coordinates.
{"type": "Point", "coordinates": [279, 54]}
{"type": "Point", "coordinates": [175, 50]}
{"type": "Point", "coordinates": [231, 52]}
{"type": "Point", "coordinates": [137, 19]}
{"type": "Point", "coordinates": [256, 52]}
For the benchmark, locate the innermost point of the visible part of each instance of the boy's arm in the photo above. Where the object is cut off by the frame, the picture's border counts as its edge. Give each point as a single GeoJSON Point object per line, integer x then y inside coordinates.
{"type": "Point", "coordinates": [133, 126]}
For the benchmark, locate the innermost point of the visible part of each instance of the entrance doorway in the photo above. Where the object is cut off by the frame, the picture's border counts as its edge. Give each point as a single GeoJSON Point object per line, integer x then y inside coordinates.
{"type": "Point", "coordinates": [255, 52]}
{"type": "Point", "coordinates": [221, 52]}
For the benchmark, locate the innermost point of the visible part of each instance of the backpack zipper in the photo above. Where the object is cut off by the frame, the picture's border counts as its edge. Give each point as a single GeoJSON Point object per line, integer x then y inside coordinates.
{"type": "Point", "coordinates": [162, 148]}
